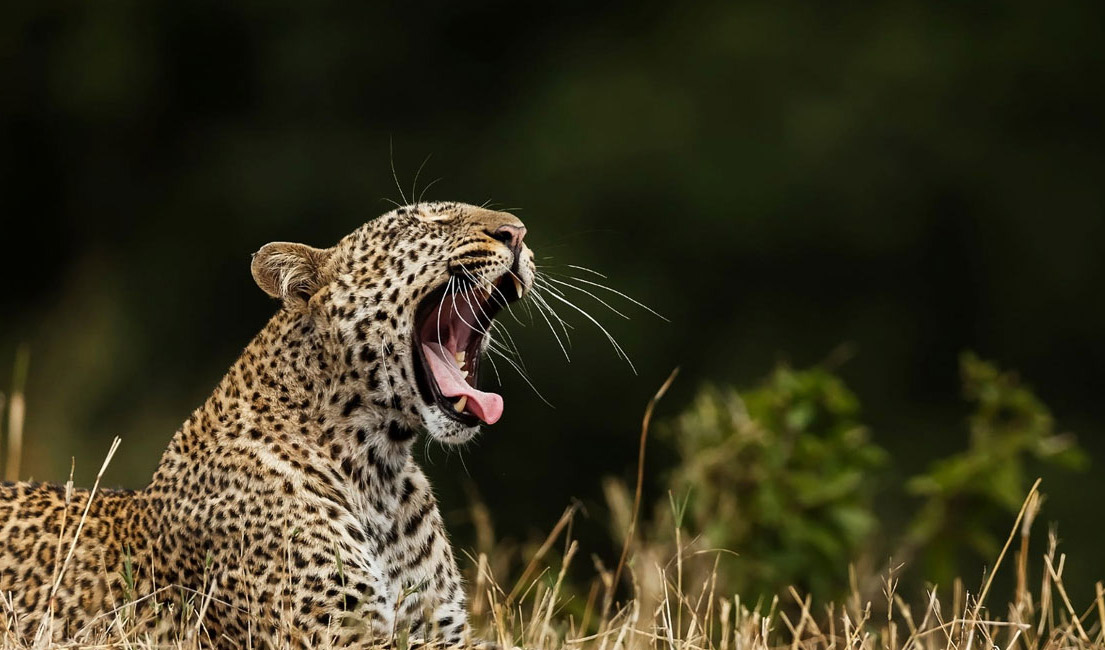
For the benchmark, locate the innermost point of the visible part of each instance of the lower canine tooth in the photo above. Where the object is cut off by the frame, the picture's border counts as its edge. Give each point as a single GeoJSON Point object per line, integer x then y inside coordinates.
{"type": "Point", "coordinates": [459, 406]}
{"type": "Point", "coordinates": [459, 356]}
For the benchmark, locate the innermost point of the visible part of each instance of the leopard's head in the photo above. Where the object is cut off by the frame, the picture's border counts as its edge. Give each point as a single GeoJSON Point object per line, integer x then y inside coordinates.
{"type": "Point", "coordinates": [403, 309]}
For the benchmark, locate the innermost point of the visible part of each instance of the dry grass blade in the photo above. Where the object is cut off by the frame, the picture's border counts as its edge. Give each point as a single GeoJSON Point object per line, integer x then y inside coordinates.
{"type": "Point", "coordinates": [1057, 580]}
{"type": "Point", "coordinates": [973, 621]}
{"type": "Point", "coordinates": [640, 487]}
{"type": "Point", "coordinates": [45, 625]}
{"type": "Point", "coordinates": [17, 410]}
{"type": "Point", "coordinates": [537, 557]}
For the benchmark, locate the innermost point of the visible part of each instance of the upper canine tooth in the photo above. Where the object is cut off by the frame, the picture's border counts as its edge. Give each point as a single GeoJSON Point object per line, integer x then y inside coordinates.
{"type": "Point", "coordinates": [517, 286]}
{"type": "Point", "coordinates": [459, 406]}
{"type": "Point", "coordinates": [459, 356]}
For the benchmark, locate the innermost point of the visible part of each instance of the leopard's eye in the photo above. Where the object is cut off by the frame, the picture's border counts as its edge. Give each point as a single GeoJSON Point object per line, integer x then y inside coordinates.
{"type": "Point", "coordinates": [437, 217]}
{"type": "Point", "coordinates": [432, 212]}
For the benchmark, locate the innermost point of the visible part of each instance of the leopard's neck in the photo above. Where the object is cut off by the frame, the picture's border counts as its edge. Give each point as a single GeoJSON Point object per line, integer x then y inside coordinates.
{"type": "Point", "coordinates": [291, 396]}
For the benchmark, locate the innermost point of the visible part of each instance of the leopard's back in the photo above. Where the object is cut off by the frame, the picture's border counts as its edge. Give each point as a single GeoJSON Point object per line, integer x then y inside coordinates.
{"type": "Point", "coordinates": [38, 522]}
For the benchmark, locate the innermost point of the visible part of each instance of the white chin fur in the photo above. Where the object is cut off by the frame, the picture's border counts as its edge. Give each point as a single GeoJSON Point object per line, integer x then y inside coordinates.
{"type": "Point", "coordinates": [445, 429]}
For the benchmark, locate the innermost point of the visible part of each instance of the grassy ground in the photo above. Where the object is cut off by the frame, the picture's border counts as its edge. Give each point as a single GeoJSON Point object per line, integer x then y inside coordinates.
{"type": "Point", "coordinates": [669, 595]}
{"type": "Point", "coordinates": [664, 597]}
{"type": "Point", "coordinates": [675, 602]}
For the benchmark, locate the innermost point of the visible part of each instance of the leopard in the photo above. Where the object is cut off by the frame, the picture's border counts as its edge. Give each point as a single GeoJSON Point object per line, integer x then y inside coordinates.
{"type": "Point", "coordinates": [288, 510]}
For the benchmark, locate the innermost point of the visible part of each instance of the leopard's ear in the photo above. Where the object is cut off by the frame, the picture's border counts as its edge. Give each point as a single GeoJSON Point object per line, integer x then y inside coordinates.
{"type": "Point", "coordinates": [291, 272]}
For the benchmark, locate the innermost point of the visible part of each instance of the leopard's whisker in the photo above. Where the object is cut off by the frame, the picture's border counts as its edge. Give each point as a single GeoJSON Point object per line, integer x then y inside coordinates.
{"type": "Point", "coordinates": [523, 375]}
{"type": "Point", "coordinates": [543, 283]}
{"type": "Point", "coordinates": [538, 290]}
{"type": "Point", "coordinates": [496, 346]}
{"type": "Point", "coordinates": [501, 329]}
{"type": "Point", "coordinates": [493, 326]}
{"type": "Point", "coordinates": [448, 286]}
{"type": "Point", "coordinates": [471, 326]}
{"type": "Point", "coordinates": [460, 455]}
{"type": "Point", "coordinates": [584, 268]}
{"type": "Point", "coordinates": [548, 270]}
{"type": "Point", "coordinates": [538, 301]}
{"type": "Point", "coordinates": [619, 293]}
{"type": "Point", "coordinates": [495, 367]}
{"type": "Point", "coordinates": [604, 303]}
{"type": "Point", "coordinates": [504, 354]}
{"type": "Point", "coordinates": [384, 363]}
{"type": "Point", "coordinates": [414, 185]}
{"type": "Point", "coordinates": [617, 347]}
{"type": "Point", "coordinates": [525, 303]}
{"type": "Point", "coordinates": [502, 300]}
{"type": "Point", "coordinates": [529, 313]}
{"type": "Point", "coordinates": [426, 448]}
{"type": "Point", "coordinates": [427, 188]}
{"type": "Point", "coordinates": [493, 344]}
{"type": "Point", "coordinates": [544, 307]}
{"type": "Point", "coordinates": [394, 175]}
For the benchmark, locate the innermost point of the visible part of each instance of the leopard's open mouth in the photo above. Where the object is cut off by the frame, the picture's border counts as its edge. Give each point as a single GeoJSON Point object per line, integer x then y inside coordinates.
{"type": "Point", "coordinates": [449, 330]}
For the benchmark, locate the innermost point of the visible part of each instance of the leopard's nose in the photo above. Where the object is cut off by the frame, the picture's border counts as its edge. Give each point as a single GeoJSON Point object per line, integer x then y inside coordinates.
{"type": "Point", "coordinates": [509, 234]}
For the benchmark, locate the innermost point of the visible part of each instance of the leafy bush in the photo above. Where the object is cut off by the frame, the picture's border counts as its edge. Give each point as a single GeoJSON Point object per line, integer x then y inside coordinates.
{"type": "Point", "coordinates": [785, 475]}
{"type": "Point", "coordinates": [970, 495]}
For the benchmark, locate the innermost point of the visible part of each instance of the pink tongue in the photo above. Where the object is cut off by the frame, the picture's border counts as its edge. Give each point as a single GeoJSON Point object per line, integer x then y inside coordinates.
{"type": "Point", "coordinates": [450, 381]}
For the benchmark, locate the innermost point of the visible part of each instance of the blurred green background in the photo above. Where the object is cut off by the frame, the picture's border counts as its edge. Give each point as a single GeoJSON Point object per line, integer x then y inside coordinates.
{"type": "Point", "coordinates": [907, 179]}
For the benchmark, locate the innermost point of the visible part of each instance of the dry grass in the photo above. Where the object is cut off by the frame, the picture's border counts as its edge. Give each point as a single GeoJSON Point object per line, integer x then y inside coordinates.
{"type": "Point", "coordinates": [671, 597]}
{"type": "Point", "coordinates": [676, 604]}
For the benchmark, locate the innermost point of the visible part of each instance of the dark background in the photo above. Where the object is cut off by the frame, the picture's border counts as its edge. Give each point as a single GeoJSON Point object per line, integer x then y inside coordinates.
{"type": "Point", "coordinates": [912, 179]}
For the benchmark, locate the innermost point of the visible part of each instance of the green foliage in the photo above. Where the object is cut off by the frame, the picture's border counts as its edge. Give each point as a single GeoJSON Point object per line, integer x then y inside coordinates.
{"type": "Point", "coordinates": [783, 475]}
{"type": "Point", "coordinates": [966, 494]}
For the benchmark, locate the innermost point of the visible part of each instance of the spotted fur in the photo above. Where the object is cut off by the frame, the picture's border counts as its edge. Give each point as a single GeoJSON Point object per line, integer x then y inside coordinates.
{"type": "Point", "coordinates": [287, 509]}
